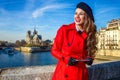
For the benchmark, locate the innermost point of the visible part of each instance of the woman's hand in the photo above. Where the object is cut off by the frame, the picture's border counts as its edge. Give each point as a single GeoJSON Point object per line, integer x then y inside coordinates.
{"type": "Point", "coordinates": [89, 61]}
{"type": "Point", "coordinates": [72, 61]}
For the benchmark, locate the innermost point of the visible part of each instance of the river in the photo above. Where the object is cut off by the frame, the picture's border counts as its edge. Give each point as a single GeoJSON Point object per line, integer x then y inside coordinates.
{"type": "Point", "coordinates": [19, 59]}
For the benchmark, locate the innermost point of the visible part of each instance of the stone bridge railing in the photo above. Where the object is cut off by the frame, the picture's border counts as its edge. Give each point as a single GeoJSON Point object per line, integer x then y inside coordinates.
{"type": "Point", "coordinates": [105, 71]}
{"type": "Point", "coordinates": [101, 71]}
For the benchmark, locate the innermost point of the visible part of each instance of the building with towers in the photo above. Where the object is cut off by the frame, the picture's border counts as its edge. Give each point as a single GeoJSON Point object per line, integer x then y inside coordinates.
{"type": "Point", "coordinates": [34, 38]}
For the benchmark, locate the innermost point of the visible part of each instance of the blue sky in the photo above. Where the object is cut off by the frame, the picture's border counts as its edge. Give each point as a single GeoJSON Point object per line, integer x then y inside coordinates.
{"type": "Point", "coordinates": [19, 16]}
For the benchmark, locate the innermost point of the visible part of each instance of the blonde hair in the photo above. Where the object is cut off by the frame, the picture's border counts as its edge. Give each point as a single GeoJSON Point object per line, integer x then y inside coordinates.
{"type": "Point", "coordinates": [91, 41]}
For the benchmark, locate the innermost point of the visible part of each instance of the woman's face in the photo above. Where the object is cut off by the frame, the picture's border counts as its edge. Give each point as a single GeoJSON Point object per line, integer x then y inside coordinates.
{"type": "Point", "coordinates": [79, 17]}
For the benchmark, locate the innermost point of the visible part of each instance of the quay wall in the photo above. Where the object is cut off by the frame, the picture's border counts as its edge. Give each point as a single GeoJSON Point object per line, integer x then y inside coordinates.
{"type": "Point", "coordinates": [101, 71]}
{"type": "Point", "coordinates": [107, 52]}
{"type": "Point", "coordinates": [23, 49]}
{"type": "Point", "coordinates": [32, 49]}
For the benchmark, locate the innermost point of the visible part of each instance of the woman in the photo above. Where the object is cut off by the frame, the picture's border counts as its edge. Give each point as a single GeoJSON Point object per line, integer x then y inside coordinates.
{"type": "Point", "coordinates": [75, 46]}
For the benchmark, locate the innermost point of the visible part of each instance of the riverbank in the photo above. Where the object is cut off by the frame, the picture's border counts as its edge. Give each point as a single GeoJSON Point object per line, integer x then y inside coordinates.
{"type": "Point", "coordinates": [109, 52]}
{"type": "Point", "coordinates": [34, 49]}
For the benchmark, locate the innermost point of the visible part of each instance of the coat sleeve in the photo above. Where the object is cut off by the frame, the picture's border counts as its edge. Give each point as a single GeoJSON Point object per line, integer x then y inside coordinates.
{"type": "Point", "coordinates": [57, 45]}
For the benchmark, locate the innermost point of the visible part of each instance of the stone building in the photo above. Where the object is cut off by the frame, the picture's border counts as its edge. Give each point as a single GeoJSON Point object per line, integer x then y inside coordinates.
{"type": "Point", "coordinates": [109, 37]}
{"type": "Point", "coordinates": [33, 38]}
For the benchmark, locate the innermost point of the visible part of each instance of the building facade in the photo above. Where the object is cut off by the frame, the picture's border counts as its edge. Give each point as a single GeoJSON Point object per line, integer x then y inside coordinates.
{"type": "Point", "coordinates": [109, 37]}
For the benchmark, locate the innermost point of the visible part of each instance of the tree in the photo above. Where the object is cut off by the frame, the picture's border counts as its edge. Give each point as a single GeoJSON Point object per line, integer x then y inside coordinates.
{"type": "Point", "coordinates": [47, 42]}
{"type": "Point", "coordinates": [23, 42]}
{"type": "Point", "coordinates": [18, 43]}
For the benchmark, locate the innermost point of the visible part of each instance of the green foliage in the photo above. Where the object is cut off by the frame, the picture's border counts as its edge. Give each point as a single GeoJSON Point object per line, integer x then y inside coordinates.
{"type": "Point", "coordinates": [29, 45]}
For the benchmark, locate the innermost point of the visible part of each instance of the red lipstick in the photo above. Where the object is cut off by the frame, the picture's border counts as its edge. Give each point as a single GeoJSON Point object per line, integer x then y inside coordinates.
{"type": "Point", "coordinates": [77, 19]}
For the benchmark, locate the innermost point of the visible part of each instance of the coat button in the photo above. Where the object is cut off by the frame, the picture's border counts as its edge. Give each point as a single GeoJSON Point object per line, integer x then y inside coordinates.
{"type": "Point", "coordinates": [68, 44]}
{"type": "Point", "coordinates": [66, 76]}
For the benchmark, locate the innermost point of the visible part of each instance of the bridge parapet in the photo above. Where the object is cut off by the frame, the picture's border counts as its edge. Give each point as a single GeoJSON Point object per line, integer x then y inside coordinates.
{"type": "Point", "coordinates": [101, 71]}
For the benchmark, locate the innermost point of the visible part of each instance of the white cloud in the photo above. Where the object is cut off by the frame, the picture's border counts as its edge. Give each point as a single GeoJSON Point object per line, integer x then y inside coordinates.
{"type": "Point", "coordinates": [40, 11]}
{"type": "Point", "coordinates": [105, 10]}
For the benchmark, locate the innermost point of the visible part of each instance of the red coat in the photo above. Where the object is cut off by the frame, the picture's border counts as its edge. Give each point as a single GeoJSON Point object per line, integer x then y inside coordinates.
{"type": "Point", "coordinates": [69, 43]}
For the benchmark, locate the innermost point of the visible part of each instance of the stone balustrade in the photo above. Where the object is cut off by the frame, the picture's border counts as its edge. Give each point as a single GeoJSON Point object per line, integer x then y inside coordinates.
{"type": "Point", "coordinates": [105, 71]}
{"type": "Point", "coordinates": [101, 71]}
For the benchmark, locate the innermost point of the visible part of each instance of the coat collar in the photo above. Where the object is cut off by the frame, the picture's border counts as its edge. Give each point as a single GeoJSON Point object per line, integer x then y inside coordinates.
{"type": "Point", "coordinates": [71, 26]}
